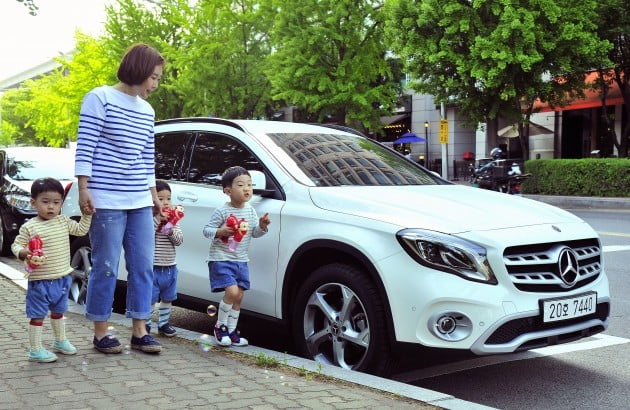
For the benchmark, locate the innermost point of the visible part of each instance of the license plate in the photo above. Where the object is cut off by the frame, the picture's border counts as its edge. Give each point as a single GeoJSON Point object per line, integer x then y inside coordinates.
{"type": "Point", "coordinates": [569, 308]}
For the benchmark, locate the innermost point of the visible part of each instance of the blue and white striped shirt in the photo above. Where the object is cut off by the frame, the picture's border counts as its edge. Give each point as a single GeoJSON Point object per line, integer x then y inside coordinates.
{"type": "Point", "coordinates": [115, 149]}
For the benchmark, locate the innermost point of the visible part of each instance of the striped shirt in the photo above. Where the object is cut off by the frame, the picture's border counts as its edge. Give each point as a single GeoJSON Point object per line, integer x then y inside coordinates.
{"type": "Point", "coordinates": [218, 250]}
{"type": "Point", "coordinates": [165, 245]}
{"type": "Point", "coordinates": [55, 245]}
{"type": "Point", "coordinates": [115, 149]}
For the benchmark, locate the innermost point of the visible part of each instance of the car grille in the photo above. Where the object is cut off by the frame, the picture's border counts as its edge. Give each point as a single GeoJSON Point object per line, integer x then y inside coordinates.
{"type": "Point", "coordinates": [534, 268]}
{"type": "Point", "coordinates": [514, 328]}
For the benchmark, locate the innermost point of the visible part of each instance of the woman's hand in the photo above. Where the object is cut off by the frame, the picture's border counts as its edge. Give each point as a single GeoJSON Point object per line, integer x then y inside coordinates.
{"type": "Point", "coordinates": [85, 202]}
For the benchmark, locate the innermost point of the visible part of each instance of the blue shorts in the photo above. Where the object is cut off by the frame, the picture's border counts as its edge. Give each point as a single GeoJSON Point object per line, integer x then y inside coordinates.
{"type": "Point", "coordinates": [228, 273]}
{"type": "Point", "coordinates": [164, 284]}
{"type": "Point", "coordinates": [47, 295]}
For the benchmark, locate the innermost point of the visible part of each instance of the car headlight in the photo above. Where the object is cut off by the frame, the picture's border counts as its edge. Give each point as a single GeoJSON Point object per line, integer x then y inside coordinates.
{"type": "Point", "coordinates": [447, 253]}
{"type": "Point", "coordinates": [20, 201]}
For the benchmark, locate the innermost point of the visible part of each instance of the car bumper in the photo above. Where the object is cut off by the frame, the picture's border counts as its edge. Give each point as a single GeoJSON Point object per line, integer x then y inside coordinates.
{"type": "Point", "coordinates": [488, 318]}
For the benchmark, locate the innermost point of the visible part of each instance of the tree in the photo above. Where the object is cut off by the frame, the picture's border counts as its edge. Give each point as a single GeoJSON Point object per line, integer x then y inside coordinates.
{"type": "Point", "coordinates": [45, 111]}
{"type": "Point", "coordinates": [158, 24]}
{"type": "Point", "coordinates": [13, 129]}
{"type": "Point", "coordinates": [221, 73]}
{"type": "Point", "coordinates": [330, 59]}
{"type": "Point", "coordinates": [614, 26]}
{"type": "Point", "coordinates": [494, 58]}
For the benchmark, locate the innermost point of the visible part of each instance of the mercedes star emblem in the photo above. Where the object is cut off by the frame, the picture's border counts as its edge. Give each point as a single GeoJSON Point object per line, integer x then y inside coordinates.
{"type": "Point", "coordinates": [568, 266]}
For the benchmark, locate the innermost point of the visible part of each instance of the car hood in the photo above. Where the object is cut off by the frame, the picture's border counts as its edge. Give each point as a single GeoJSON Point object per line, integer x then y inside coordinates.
{"type": "Point", "coordinates": [443, 208]}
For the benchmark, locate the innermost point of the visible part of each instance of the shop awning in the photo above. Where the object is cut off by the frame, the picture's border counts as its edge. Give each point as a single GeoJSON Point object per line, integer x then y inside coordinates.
{"type": "Point", "coordinates": [592, 99]}
{"type": "Point", "coordinates": [391, 119]}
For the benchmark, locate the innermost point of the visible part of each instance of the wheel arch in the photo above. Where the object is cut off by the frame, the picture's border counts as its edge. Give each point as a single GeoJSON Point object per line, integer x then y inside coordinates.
{"type": "Point", "coordinates": [316, 253]}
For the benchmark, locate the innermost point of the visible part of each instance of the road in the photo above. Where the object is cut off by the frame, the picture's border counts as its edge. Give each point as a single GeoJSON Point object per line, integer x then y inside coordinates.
{"type": "Point", "coordinates": [588, 374]}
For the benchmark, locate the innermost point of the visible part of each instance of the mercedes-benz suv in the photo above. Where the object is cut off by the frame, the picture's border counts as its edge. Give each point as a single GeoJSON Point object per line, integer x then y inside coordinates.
{"type": "Point", "coordinates": [368, 250]}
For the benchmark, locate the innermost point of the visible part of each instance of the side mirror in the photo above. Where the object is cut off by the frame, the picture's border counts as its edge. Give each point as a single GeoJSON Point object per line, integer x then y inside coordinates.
{"type": "Point", "coordinates": [259, 183]}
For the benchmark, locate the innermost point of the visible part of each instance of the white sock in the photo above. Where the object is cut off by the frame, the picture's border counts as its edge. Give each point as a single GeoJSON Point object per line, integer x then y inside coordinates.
{"type": "Point", "coordinates": [224, 310]}
{"type": "Point", "coordinates": [35, 337]}
{"type": "Point", "coordinates": [164, 314]}
{"type": "Point", "coordinates": [232, 320]}
{"type": "Point", "coordinates": [59, 329]}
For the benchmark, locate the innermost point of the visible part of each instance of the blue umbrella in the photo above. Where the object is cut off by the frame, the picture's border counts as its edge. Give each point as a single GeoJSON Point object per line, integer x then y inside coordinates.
{"type": "Point", "coordinates": [409, 137]}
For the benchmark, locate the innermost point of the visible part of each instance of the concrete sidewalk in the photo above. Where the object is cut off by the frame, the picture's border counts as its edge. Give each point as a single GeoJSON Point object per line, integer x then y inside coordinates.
{"type": "Point", "coordinates": [184, 375]}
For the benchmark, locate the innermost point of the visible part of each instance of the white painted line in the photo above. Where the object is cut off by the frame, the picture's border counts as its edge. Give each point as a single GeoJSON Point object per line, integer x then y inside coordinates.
{"type": "Point", "coordinates": [593, 342]}
{"type": "Point", "coordinates": [615, 248]}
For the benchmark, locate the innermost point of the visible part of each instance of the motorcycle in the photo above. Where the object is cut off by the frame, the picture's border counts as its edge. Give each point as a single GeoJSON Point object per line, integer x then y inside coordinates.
{"type": "Point", "coordinates": [496, 175]}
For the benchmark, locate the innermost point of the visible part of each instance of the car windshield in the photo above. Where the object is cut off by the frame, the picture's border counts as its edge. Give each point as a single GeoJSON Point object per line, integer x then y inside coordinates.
{"type": "Point", "coordinates": [338, 159]}
{"type": "Point", "coordinates": [58, 167]}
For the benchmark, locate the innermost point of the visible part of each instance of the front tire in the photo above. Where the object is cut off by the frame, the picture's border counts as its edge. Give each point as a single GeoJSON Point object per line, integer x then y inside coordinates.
{"type": "Point", "coordinates": [339, 319]}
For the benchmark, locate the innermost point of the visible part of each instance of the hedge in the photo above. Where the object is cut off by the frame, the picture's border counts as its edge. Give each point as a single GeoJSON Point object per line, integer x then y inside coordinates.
{"type": "Point", "coordinates": [605, 177]}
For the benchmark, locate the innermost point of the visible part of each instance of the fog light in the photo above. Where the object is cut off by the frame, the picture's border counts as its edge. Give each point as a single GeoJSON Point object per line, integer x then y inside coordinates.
{"type": "Point", "coordinates": [450, 326]}
{"type": "Point", "coordinates": [446, 325]}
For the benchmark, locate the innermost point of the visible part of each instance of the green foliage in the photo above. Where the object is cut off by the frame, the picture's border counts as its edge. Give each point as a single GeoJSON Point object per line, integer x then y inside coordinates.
{"type": "Point", "coordinates": [604, 177]}
{"type": "Point", "coordinates": [496, 57]}
{"type": "Point", "coordinates": [13, 130]}
{"type": "Point", "coordinates": [45, 111]}
{"type": "Point", "coordinates": [330, 58]}
{"type": "Point", "coordinates": [160, 25]}
{"type": "Point", "coordinates": [222, 71]}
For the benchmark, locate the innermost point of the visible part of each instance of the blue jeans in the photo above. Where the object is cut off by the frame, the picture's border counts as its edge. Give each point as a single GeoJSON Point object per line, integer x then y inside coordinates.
{"type": "Point", "coordinates": [111, 231]}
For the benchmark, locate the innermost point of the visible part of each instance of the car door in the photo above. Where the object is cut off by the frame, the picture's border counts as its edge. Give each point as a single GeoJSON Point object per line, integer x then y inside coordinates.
{"type": "Point", "coordinates": [200, 193]}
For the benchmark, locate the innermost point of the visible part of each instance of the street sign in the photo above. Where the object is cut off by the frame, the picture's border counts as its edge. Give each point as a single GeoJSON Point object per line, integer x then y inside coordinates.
{"type": "Point", "coordinates": [443, 131]}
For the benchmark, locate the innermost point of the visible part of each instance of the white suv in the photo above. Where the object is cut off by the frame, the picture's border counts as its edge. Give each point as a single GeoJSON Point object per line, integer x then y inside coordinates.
{"type": "Point", "coordinates": [367, 249]}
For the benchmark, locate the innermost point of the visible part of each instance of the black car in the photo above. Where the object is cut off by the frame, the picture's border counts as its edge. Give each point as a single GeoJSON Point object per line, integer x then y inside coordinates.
{"type": "Point", "coordinates": [20, 167]}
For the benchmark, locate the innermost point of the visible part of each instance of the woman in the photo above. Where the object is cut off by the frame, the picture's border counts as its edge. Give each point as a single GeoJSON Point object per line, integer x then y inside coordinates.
{"type": "Point", "coordinates": [114, 165]}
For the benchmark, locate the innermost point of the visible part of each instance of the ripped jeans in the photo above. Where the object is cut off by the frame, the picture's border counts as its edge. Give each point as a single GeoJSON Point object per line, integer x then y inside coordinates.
{"type": "Point", "coordinates": [111, 231]}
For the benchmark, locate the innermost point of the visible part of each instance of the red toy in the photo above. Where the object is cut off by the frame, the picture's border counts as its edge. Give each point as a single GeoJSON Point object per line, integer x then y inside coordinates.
{"type": "Point", "coordinates": [173, 216]}
{"type": "Point", "coordinates": [35, 249]}
{"type": "Point", "coordinates": [240, 229]}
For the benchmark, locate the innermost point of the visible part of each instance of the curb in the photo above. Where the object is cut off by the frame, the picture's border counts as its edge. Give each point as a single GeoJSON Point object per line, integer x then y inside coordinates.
{"type": "Point", "coordinates": [427, 396]}
{"type": "Point", "coordinates": [583, 202]}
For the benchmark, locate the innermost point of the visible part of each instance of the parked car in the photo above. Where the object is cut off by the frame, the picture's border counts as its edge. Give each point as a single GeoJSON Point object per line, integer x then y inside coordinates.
{"type": "Point", "coordinates": [20, 167]}
{"type": "Point", "coordinates": [368, 250]}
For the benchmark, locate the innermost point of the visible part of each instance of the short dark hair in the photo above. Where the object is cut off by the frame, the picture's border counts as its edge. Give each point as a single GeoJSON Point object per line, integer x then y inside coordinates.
{"type": "Point", "coordinates": [162, 185]}
{"type": "Point", "coordinates": [230, 174]}
{"type": "Point", "coordinates": [138, 64]}
{"type": "Point", "coordinates": [42, 185]}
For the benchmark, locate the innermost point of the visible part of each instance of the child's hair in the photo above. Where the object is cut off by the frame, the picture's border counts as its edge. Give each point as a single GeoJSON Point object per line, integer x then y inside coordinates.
{"type": "Point", "coordinates": [42, 185]}
{"type": "Point", "coordinates": [161, 185]}
{"type": "Point", "coordinates": [230, 174]}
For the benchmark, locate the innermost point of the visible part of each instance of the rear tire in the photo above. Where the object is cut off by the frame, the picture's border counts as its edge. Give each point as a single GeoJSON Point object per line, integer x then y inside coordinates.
{"type": "Point", "coordinates": [81, 262]}
{"type": "Point", "coordinates": [339, 319]}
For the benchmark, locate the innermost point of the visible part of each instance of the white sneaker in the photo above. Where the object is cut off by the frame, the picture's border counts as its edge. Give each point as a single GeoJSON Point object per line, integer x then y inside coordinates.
{"type": "Point", "coordinates": [237, 340]}
{"type": "Point", "coordinates": [222, 335]}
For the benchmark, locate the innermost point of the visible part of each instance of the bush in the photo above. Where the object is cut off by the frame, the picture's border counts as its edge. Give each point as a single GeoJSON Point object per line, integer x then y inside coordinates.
{"type": "Point", "coordinates": [605, 177]}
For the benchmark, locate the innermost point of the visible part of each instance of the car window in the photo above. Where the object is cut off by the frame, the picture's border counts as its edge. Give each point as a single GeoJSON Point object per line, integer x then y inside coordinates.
{"type": "Point", "coordinates": [341, 159]}
{"type": "Point", "coordinates": [213, 153]}
{"type": "Point", "coordinates": [170, 155]}
{"type": "Point", "coordinates": [60, 167]}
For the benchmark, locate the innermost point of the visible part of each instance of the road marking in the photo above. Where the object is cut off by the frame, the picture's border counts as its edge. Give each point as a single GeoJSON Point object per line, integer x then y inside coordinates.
{"type": "Point", "coordinates": [626, 235]}
{"type": "Point", "coordinates": [593, 342]}
{"type": "Point", "coordinates": [615, 248]}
